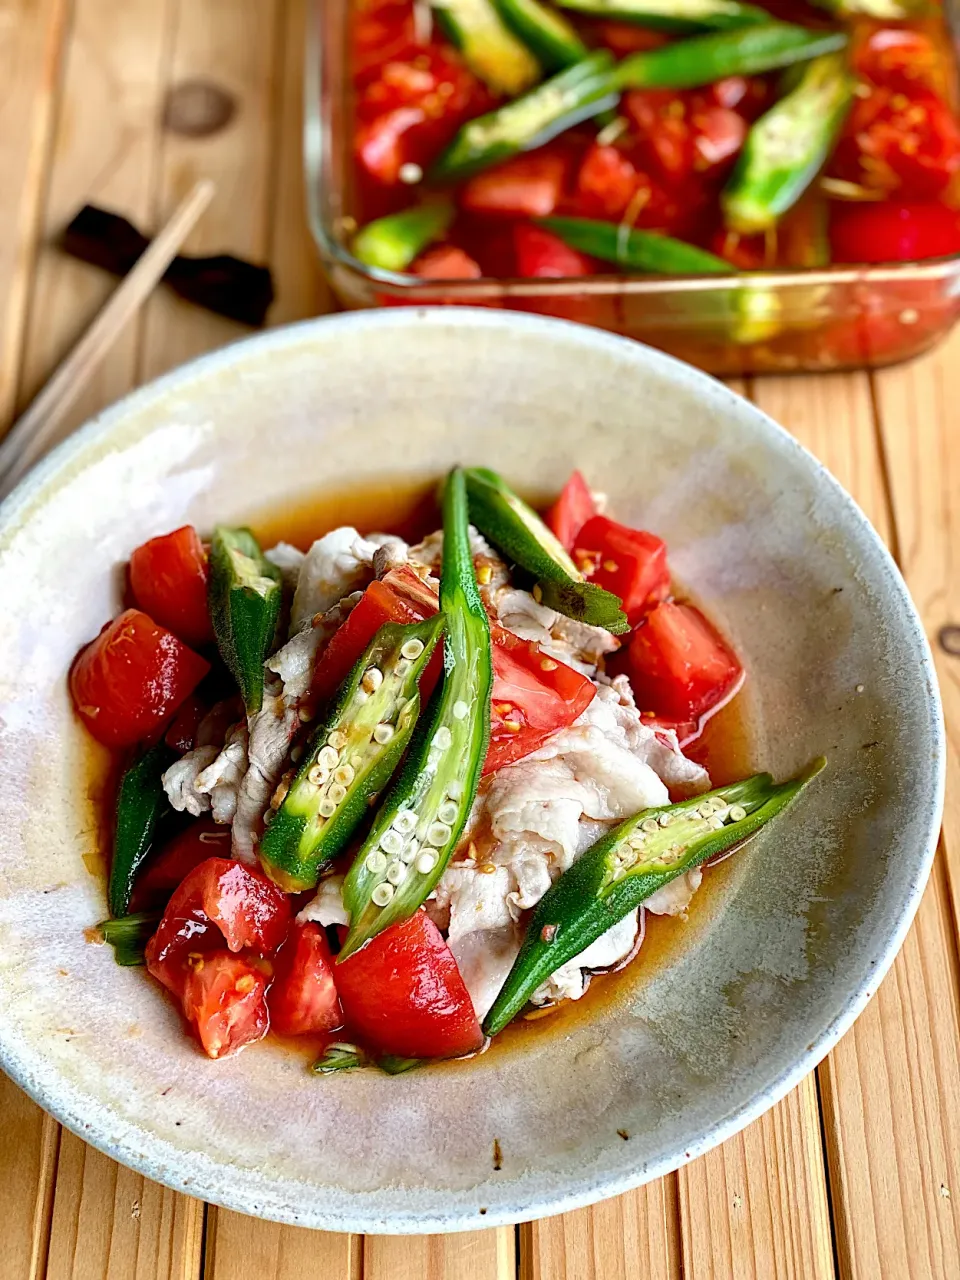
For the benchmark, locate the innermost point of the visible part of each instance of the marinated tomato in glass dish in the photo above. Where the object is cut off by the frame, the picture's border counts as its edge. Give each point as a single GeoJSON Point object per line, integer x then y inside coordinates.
{"type": "Point", "coordinates": [558, 139]}
{"type": "Point", "coordinates": [402, 793]}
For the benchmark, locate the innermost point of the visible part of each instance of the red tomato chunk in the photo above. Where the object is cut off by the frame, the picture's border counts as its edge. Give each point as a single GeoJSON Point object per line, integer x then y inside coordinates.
{"type": "Point", "coordinates": [680, 666]}
{"type": "Point", "coordinates": [629, 562]}
{"type": "Point", "coordinates": [888, 232]}
{"type": "Point", "coordinates": [303, 998]}
{"type": "Point", "coordinates": [534, 696]}
{"type": "Point", "coordinates": [571, 511]}
{"type": "Point", "coordinates": [168, 577]}
{"type": "Point", "coordinates": [128, 682]}
{"type": "Point", "coordinates": [222, 991]}
{"type": "Point", "coordinates": [166, 870]}
{"type": "Point", "coordinates": [526, 187]}
{"type": "Point", "coordinates": [224, 1001]}
{"type": "Point", "coordinates": [446, 262]}
{"type": "Point", "coordinates": [403, 994]}
{"type": "Point", "coordinates": [541, 254]}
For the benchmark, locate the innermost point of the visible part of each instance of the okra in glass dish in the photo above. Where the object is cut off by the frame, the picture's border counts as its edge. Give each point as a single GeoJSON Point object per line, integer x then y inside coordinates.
{"type": "Point", "coordinates": [387, 793]}
{"type": "Point", "coordinates": [750, 187]}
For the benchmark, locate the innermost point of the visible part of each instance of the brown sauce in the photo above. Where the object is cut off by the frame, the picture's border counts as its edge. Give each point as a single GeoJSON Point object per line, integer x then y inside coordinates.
{"type": "Point", "coordinates": [410, 510]}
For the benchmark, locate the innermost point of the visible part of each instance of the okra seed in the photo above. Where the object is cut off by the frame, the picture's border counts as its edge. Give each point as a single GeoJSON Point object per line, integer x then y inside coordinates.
{"type": "Point", "coordinates": [356, 762]}
{"type": "Point", "coordinates": [412, 650]}
{"type": "Point", "coordinates": [401, 667]}
{"type": "Point", "coordinates": [372, 679]}
{"type": "Point", "coordinates": [327, 758]}
{"type": "Point", "coordinates": [737, 813]}
{"type": "Point", "coordinates": [448, 812]}
{"type": "Point", "coordinates": [433, 761]}
{"type": "Point", "coordinates": [455, 789]}
{"type": "Point", "coordinates": [665, 819]}
{"type": "Point", "coordinates": [405, 822]}
{"type": "Point", "coordinates": [345, 775]}
{"type": "Point", "coordinates": [383, 733]}
{"type": "Point", "coordinates": [269, 816]}
{"type": "Point", "coordinates": [382, 894]}
{"type": "Point", "coordinates": [360, 697]}
{"type": "Point", "coordinates": [391, 842]}
{"type": "Point", "coordinates": [305, 715]}
{"type": "Point", "coordinates": [649, 825]}
{"type": "Point", "coordinates": [410, 174]}
{"type": "Point", "coordinates": [337, 793]}
{"type": "Point", "coordinates": [488, 868]}
{"type": "Point", "coordinates": [375, 862]}
{"type": "Point", "coordinates": [410, 851]}
{"type": "Point", "coordinates": [460, 710]}
{"type": "Point", "coordinates": [716, 823]}
{"type": "Point", "coordinates": [396, 873]}
{"type": "Point", "coordinates": [442, 738]}
{"type": "Point", "coordinates": [318, 775]}
{"type": "Point", "coordinates": [327, 808]}
{"type": "Point", "coordinates": [337, 740]}
{"type": "Point", "coordinates": [438, 833]}
{"type": "Point", "coordinates": [426, 862]}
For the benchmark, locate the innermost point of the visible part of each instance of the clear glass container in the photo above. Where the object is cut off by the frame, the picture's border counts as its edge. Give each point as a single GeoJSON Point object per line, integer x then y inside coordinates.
{"type": "Point", "coordinates": [762, 322]}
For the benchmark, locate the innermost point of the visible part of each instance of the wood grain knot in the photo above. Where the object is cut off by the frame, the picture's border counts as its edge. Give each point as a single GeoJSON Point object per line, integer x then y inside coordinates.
{"type": "Point", "coordinates": [198, 108]}
{"type": "Point", "coordinates": [948, 638]}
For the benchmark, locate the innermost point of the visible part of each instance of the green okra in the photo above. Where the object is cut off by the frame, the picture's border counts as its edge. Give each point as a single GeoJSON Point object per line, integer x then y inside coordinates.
{"type": "Point", "coordinates": [245, 595]}
{"type": "Point", "coordinates": [787, 147]}
{"type": "Point", "coordinates": [517, 530]}
{"type": "Point", "coordinates": [392, 242]}
{"type": "Point", "coordinates": [638, 250]}
{"type": "Point", "coordinates": [141, 803]}
{"type": "Point", "coordinates": [678, 17]}
{"type": "Point", "coordinates": [627, 866]}
{"type": "Point", "coordinates": [352, 755]}
{"type": "Point", "coordinates": [418, 826]}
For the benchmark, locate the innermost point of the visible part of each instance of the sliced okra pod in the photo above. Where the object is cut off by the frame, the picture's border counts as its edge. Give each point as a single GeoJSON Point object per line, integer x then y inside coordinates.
{"type": "Point", "coordinates": [141, 802]}
{"type": "Point", "coordinates": [490, 49]}
{"type": "Point", "coordinates": [627, 866]}
{"type": "Point", "coordinates": [419, 824]}
{"type": "Point", "coordinates": [639, 250]}
{"type": "Point", "coordinates": [749, 51]}
{"type": "Point", "coordinates": [550, 36]}
{"type": "Point", "coordinates": [129, 935]}
{"type": "Point", "coordinates": [675, 16]}
{"type": "Point", "coordinates": [352, 755]}
{"type": "Point", "coordinates": [579, 92]}
{"type": "Point", "coordinates": [518, 531]}
{"type": "Point", "coordinates": [245, 595]}
{"type": "Point", "coordinates": [392, 242]}
{"type": "Point", "coordinates": [786, 148]}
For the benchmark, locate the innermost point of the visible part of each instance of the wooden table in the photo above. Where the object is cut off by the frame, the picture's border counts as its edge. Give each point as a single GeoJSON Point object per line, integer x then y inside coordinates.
{"type": "Point", "coordinates": [857, 1172]}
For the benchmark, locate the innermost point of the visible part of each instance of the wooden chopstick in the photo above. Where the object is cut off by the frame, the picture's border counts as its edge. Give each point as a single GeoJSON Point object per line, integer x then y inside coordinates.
{"type": "Point", "coordinates": [30, 434]}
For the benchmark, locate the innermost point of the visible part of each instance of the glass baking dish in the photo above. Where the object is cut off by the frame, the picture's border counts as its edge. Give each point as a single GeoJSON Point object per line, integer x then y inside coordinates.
{"type": "Point", "coordinates": [763, 322]}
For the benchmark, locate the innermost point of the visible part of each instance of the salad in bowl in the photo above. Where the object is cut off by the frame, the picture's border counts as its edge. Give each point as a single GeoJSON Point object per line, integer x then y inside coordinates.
{"type": "Point", "coordinates": [389, 797]}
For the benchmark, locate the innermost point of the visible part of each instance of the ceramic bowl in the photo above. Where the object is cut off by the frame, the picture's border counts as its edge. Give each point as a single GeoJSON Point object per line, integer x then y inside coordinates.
{"type": "Point", "coordinates": [752, 993]}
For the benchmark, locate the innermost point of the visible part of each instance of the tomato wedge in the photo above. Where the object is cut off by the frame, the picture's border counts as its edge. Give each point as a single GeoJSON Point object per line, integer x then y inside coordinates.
{"type": "Point", "coordinates": [220, 901]}
{"type": "Point", "coordinates": [534, 696]}
{"type": "Point", "coordinates": [168, 577]}
{"type": "Point", "coordinates": [166, 870]}
{"type": "Point", "coordinates": [541, 254]}
{"type": "Point", "coordinates": [399, 597]}
{"type": "Point", "coordinates": [303, 998]}
{"type": "Point", "coordinates": [890, 232]}
{"type": "Point", "coordinates": [403, 994]}
{"type": "Point", "coordinates": [892, 142]}
{"type": "Point", "coordinates": [224, 1000]}
{"type": "Point", "coordinates": [572, 510]}
{"type": "Point", "coordinates": [525, 187]}
{"type": "Point", "coordinates": [446, 262]}
{"type": "Point", "coordinates": [681, 668]}
{"type": "Point", "coordinates": [629, 562]}
{"type": "Point", "coordinates": [132, 678]}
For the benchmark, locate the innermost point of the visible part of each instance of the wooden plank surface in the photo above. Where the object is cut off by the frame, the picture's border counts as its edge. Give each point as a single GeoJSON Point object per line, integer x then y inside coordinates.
{"type": "Point", "coordinates": [891, 1086]}
{"type": "Point", "coordinates": [621, 1239]}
